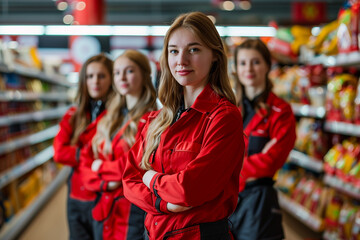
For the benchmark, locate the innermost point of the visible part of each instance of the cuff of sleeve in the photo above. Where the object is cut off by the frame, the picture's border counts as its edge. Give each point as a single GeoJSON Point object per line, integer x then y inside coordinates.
{"type": "Point", "coordinates": [163, 207]}
{"type": "Point", "coordinates": [103, 186]}
{"type": "Point", "coordinates": [152, 184]}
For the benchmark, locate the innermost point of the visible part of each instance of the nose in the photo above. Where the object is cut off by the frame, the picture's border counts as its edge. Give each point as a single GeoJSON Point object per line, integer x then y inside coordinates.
{"type": "Point", "coordinates": [183, 58]}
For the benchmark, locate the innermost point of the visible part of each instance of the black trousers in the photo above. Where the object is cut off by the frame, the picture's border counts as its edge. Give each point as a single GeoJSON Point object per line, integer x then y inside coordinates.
{"type": "Point", "coordinates": [257, 215]}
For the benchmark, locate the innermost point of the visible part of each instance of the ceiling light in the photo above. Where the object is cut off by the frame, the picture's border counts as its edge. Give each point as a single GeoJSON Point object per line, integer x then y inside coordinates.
{"type": "Point", "coordinates": [22, 30]}
{"type": "Point", "coordinates": [131, 31]}
{"type": "Point", "coordinates": [228, 6]}
{"type": "Point", "coordinates": [79, 30]}
{"type": "Point", "coordinates": [62, 6]}
{"type": "Point", "coordinates": [251, 31]}
{"type": "Point", "coordinates": [245, 5]}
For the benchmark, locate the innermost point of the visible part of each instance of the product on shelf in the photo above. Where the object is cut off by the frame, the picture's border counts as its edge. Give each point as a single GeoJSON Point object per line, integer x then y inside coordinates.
{"type": "Point", "coordinates": [326, 35]}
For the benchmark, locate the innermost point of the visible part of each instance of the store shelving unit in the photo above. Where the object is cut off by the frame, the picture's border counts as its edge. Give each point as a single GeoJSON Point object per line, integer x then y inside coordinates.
{"type": "Point", "coordinates": [305, 161]}
{"type": "Point", "coordinates": [298, 211]}
{"type": "Point", "coordinates": [9, 178]}
{"type": "Point", "coordinates": [301, 213]}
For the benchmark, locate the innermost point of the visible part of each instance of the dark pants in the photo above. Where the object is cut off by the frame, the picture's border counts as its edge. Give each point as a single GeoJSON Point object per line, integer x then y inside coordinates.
{"type": "Point", "coordinates": [257, 215]}
{"type": "Point", "coordinates": [80, 219]}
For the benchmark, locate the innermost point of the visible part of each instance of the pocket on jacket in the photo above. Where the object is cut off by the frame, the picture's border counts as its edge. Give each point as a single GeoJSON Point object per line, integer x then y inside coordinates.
{"type": "Point", "coordinates": [187, 233]}
{"type": "Point", "coordinates": [183, 153]}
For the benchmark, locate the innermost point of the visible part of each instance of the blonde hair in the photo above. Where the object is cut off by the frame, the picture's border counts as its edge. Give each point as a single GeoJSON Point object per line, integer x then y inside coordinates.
{"type": "Point", "coordinates": [171, 92]}
{"type": "Point", "coordinates": [79, 120]}
{"type": "Point", "coordinates": [108, 126]}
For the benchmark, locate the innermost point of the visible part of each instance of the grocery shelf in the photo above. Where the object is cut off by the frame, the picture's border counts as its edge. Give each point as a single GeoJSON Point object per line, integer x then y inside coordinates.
{"type": "Point", "coordinates": [305, 161]}
{"type": "Point", "coordinates": [26, 166]}
{"type": "Point", "coordinates": [31, 96]}
{"type": "Point", "coordinates": [301, 213]}
{"type": "Point", "coordinates": [342, 186]}
{"type": "Point", "coordinates": [35, 73]}
{"type": "Point", "coordinates": [37, 116]}
{"type": "Point", "coordinates": [17, 225]}
{"type": "Point", "coordinates": [342, 59]}
{"type": "Point", "coordinates": [308, 110]}
{"type": "Point", "coordinates": [343, 128]}
{"type": "Point", "coordinates": [38, 137]}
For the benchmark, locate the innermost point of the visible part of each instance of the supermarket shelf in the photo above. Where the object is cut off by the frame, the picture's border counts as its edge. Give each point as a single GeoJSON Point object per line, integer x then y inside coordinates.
{"type": "Point", "coordinates": [343, 59]}
{"type": "Point", "coordinates": [26, 166]}
{"type": "Point", "coordinates": [34, 73]}
{"type": "Point", "coordinates": [306, 161]}
{"type": "Point", "coordinates": [343, 128]}
{"type": "Point", "coordinates": [308, 110]}
{"type": "Point", "coordinates": [301, 213]}
{"type": "Point", "coordinates": [342, 186]}
{"type": "Point", "coordinates": [17, 225]}
{"type": "Point", "coordinates": [29, 140]}
{"type": "Point", "coordinates": [30, 96]}
{"type": "Point", "coordinates": [34, 116]}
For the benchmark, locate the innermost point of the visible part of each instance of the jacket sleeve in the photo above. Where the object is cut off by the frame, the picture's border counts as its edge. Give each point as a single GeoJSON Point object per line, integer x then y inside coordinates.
{"type": "Point", "coordinates": [134, 188]}
{"type": "Point", "coordinates": [266, 164]}
{"type": "Point", "coordinates": [218, 161]}
{"type": "Point", "coordinates": [92, 180]}
{"type": "Point", "coordinates": [64, 152]}
{"type": "Point", "coordinates": [113, 170]}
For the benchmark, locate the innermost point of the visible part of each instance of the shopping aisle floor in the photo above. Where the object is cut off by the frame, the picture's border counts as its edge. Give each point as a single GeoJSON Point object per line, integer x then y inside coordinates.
{"type": "Point", "coordinates": [51, 222]}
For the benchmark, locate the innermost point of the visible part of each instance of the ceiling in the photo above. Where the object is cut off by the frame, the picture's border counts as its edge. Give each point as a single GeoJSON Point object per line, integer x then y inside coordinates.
{"type": "Point", "coordinates": [159, 12]}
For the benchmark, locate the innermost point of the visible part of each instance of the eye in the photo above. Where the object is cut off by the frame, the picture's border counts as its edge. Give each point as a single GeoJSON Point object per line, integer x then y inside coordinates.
{"type": "Point", "coordinates": [194, 50]}
{"type": "Point", "coordinates": [101, 75]}
{"type": "Point", "coordinates": [242, 63]}
{"type": "Point", "coordinates": [173, 51]}
{"type": "Point", "coordinates": [256, 61]}
{"type": "Point", "coordinates": [130, 71]}
{"type": "Point", "coordinates": [116, 73]}
{"type": "Point", "coordinates": [89, 76]}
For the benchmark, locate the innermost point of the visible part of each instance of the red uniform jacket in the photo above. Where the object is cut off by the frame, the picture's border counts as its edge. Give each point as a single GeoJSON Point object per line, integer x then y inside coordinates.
{"type": "Point", "coordinates": [279, 124]}
{"type": "Point", "coordinates": [198, 162]}
{"type": "Point", "coordinates": [67, 154]}
{"type": "Point", "coordinates": [111, 170]}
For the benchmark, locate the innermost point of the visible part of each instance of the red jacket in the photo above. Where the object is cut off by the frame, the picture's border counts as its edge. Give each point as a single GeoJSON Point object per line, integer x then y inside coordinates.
{"type": "Point", "coordinates": [279, 124]}
{"type": "Point", "coordinates": [198, 162]}
{"type": "Point", "coordinates": [112, 205]}
{"type": "Point", "coordinates": [68, 154]}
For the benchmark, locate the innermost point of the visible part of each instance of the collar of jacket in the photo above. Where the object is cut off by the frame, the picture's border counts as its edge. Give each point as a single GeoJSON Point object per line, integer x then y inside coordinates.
{"type": "Point", "coordinates": [207, 100]}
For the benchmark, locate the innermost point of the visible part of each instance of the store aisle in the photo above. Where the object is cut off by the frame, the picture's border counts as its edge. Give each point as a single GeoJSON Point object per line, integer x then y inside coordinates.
{"type": "Point", "coordinates": [295, 230]}
{"type": "Point", "coordinates": [50, 223]}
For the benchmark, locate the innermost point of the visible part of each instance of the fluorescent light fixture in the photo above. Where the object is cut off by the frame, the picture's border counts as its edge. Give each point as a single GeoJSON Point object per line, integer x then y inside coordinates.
{"type": "Point", "coordinates": [221, 30]}
{"type": "Point", "coordinates": [79, 30]}
{"type": "Point", "coordinates": [21, 30]}
{"type": "Point", "coordinates": [158, 30]}
{"type": "Point", "coordinates": [131, 31]}
{"type": "Point", "coordinates": [251, 31]}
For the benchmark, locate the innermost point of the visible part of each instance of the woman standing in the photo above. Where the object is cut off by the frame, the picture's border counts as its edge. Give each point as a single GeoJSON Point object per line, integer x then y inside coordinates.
{"type": "Point", "coordinates": [77, 128]}
{"type": "Point", "coordinates": [184, 169]}
{"type": "Point", "coordinates": [104, 160]}
{"type": "Point", "coordinates": [269, 125]}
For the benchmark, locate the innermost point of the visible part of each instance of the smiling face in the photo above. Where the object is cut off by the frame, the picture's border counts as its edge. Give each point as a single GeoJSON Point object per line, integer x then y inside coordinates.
{"type": "Point", "coordinates": [98, 80]}
{"type": "Point", "coordinates": [251, 68]}
{"type": "Point", "coordinates": [189, 59]}
{"type": "Point", "coordinates": [127, 77]}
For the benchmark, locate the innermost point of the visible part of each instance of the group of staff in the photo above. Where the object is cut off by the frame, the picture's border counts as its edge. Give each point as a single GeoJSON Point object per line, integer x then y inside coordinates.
{"type": "Point", "coordinates": [201, 167]}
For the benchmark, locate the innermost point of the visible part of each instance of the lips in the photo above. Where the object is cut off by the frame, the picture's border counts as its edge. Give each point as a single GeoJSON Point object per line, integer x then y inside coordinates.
{"type": "Point", "coordinates": [184, 72]}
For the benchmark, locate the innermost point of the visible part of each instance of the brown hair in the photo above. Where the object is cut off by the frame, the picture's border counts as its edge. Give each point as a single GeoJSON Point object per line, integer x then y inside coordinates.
{"type": "Point", "coordinates": [115, 117]}
{"type": "Point", "coordinates": [258, 45]}
{"type": "Point", "coordinates": [79, 120]}
{"type": "Point", "coordinates": [171, 92]}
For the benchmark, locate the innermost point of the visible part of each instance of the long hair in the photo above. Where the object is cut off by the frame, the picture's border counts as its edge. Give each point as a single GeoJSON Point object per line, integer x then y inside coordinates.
{"type": "Point", "coordinates": [171, 92]}
{"type": "Point", "coordinates": [79, 120]}
{"type": "Point", "coordinates": [114, 118]}
{"type": "Point", "coordinates": [258, 45]}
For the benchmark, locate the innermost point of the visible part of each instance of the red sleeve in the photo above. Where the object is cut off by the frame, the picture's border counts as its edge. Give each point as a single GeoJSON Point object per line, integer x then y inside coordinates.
{"type": "Point", "coordinates": [220, 157]}
{"type": "Point", "coordinates": [113, 170]}
{"type": "Point", "coordinates": [265, 165]}
{"type": "Point", "coordinates": [64, 152]}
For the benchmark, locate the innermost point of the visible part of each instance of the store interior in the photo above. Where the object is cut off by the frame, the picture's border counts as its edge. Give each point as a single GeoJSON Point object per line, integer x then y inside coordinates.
{"type": "Point", "coordinates": [316, 60]}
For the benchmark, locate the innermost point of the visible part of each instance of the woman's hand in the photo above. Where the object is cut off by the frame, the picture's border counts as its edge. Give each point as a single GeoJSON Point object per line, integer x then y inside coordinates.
{"type": "Point", "coordinates": [112, 185]}
{"type": "Point", "coordinates": [148, 176]}
{"type": "Point", "coordinates": [95, 166]}
{"type": "Point", "coordinates": [176, 208]}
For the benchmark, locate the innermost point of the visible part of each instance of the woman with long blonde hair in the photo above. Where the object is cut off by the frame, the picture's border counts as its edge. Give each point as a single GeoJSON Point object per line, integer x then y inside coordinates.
{"type": "Point", "coordinates": [104, 160]}
{"type": "Point", "coordinates": [77, 128]}
{"type": "Point", "coordinates": [184, 169]}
